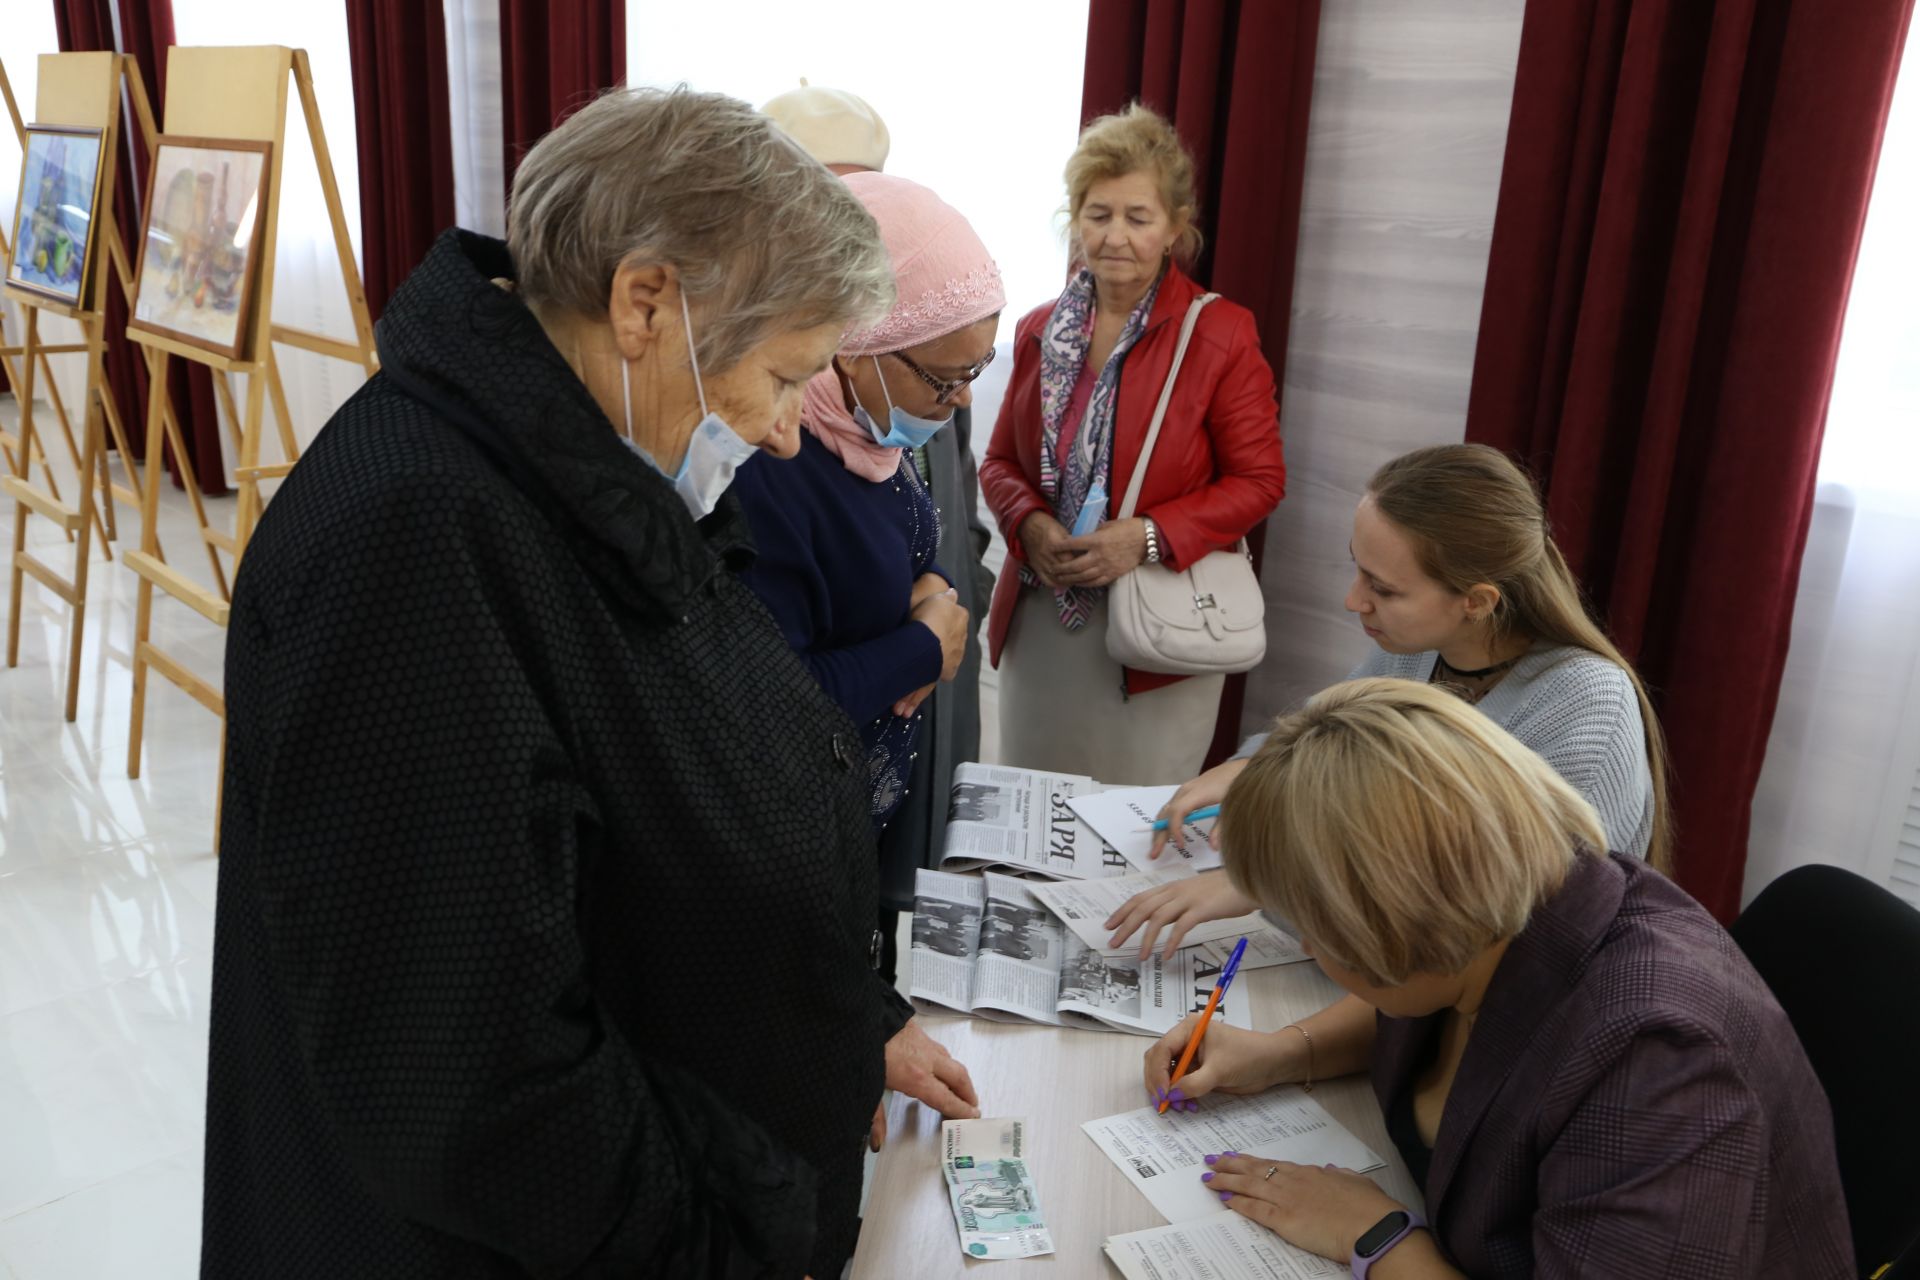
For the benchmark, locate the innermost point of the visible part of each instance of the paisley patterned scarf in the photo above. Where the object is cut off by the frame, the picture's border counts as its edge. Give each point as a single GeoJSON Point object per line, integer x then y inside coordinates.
{"type": "Point", "coordinates": [1063, 353]}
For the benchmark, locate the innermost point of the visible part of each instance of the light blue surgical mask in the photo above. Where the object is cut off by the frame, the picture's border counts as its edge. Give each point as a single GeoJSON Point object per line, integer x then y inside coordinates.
{"type": "Point", "coordinates": [905, 431]}
{"type": "Point", "coordinates": [714, 453]}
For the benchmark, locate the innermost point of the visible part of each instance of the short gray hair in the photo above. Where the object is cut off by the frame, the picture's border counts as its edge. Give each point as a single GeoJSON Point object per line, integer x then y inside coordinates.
{"type": "Point", "coordinates": [763, 237]}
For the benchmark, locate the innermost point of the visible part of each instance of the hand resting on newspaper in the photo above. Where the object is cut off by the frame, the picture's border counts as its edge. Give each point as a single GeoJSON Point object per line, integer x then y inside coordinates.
{"type": "Point", "coordinates": [1178, 907]}
{"type": "Point", "coordinates": [920, 1067]}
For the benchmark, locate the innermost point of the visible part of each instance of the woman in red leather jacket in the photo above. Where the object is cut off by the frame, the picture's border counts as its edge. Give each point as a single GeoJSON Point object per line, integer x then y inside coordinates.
{"type": "Point", "coordinates": [1088, 370]}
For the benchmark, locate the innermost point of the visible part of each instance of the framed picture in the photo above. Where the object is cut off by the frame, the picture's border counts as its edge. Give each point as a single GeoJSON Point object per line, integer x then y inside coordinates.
{"type": "Point", "coordinates": [53, 220]}
{"type": "Point", "coordinates": [205, 201]}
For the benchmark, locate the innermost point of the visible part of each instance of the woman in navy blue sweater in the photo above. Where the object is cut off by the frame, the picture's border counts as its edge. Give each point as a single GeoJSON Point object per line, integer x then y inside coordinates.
{"type": "Point", "coordinates": [846, 537]}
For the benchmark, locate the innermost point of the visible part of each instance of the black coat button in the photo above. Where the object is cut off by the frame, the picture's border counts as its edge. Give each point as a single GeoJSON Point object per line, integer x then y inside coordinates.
{"type": "Point", "coordinates": [842, 753]}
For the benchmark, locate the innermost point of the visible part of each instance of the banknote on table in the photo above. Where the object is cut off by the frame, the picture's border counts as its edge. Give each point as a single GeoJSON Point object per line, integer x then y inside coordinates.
{"type": "Point", "coordinates": [991, 1187]}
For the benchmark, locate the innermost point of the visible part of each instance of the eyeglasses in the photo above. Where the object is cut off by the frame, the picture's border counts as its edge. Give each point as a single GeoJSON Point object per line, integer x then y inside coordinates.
{"type": "Point", "coordinates": [943, 390]}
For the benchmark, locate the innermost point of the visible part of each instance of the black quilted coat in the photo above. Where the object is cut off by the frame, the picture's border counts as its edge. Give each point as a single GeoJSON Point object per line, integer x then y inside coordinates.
{"type": "Point", "coordinates": [547, 887]}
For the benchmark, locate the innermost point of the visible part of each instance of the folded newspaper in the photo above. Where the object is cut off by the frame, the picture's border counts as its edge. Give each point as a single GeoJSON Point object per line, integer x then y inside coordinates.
{"type": "Point", "coordinates": [991, 1188]}
{"type": "Point", "coordinates": [984, 945]}
{"type": "Point", "coordinates": [1020, 819]}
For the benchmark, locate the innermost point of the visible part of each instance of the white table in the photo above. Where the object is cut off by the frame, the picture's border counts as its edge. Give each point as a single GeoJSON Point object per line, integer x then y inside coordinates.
{"type": "Point", "coordinates": [1057, 1079]}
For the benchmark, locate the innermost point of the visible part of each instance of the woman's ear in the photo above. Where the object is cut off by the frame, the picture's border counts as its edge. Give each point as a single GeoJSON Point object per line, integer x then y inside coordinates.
{"type": "Point", "coordinates": [1483, 601]}
{"type": "Point", "coordinates": [643, 299]}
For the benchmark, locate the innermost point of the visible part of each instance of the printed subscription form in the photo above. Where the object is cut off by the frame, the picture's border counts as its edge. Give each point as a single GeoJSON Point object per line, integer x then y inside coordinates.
{"type": "Point", "coordinates": [1163, 1157]}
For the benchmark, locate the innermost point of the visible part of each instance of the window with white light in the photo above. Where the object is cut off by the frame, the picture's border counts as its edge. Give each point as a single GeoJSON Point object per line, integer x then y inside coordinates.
{"type": "Point", "coordinates": [982, 100]}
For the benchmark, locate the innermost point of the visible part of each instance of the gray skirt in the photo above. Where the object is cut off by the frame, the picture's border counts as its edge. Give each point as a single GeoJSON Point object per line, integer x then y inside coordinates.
{"type": "Point", "coordinates": [1061, 707]}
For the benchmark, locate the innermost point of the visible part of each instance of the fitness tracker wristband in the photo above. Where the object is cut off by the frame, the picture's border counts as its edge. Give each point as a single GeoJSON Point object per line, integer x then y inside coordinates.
{"type": "Point", "coordinates": [1376, 1240]}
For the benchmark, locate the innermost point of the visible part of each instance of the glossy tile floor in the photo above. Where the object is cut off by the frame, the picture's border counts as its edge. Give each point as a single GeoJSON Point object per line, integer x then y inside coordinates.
{"type": "Point", "coordinates": [106, 925]}
{"type": "Point", "coordinates": [106, 920]}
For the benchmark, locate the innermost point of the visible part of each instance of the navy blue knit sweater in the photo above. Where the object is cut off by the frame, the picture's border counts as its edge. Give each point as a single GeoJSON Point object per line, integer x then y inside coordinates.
{"type": "Point", "coordinates": [837, 557]}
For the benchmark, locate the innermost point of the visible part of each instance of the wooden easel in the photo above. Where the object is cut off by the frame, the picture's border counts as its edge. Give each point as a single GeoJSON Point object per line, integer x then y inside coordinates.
{"type": "Point", "coordinates": [92, 461]}
{"type": "Point", "coordinates": [75, 89]}
{"type": "Point", "coordinates": [239, 93]}
{"type": "Point", "coordinates": [8, 442]}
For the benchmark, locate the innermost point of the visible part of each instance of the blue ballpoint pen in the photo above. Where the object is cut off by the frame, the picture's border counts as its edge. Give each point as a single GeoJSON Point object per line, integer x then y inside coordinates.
{"type": "Point", "coordinates": [1213, 1002]}
{"type": "Point", "coordinates": [1198, 815]}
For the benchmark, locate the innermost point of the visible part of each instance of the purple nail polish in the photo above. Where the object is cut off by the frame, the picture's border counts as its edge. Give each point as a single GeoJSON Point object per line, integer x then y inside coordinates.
{"type": "Point", "coordinates": [1225, 1196]}
{"type": "Point", "coordinates": [1177, 1095]}
{"type": "Point", "coordinates": [1206, 1177]}
{"type": "Point", "coordinates": [1192, 1105]}
{"type": "Point", "coordinates": [1233, 1153]}
{"type": "Point", "coordinates": [1212, 1159]}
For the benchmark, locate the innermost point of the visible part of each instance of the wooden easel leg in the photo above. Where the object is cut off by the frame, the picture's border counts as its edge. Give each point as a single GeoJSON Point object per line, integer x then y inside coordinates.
{"type": "Point", "coordinates": [66, 424]}
{"type": "Point", "coordinates": [15, 572]}
{"type": "Point", "coordinates": [229, 409]}
{"type": "Point", "coordinates": [190, 480]}
{"type": "Point", "coordinates": [282, 415]}
{"type": "Point", "coordinates": [149, 543]}
{"type": "Point", "coordinates": [91, 465]}
{"type": "Point", "coordinates": [251, 432]}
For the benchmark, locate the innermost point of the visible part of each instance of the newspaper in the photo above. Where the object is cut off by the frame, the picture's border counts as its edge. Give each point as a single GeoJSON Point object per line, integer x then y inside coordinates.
{"type": "Point", "coordinates": [991, 1188]}
{"type": "Point", "coordinates": [1163, 1156]}
{"type": "Point", "coordinates": [1221, 1246]}
{"type": "Point", "coordinates": [1086, 905]}
{"type": "Point", "coordinates": [1123, 817]}
{"type": "Point", "coordinates": [1020, 819]}
{"type": "Point", "coordinates": [983, 944]}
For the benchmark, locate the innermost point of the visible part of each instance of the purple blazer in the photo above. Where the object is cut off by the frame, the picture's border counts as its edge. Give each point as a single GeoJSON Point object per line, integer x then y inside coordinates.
{"type": "Point", "coordinates": [1632, 1102]}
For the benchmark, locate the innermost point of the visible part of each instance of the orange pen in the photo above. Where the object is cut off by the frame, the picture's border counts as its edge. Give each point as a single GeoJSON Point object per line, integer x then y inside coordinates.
{"type": "Point", "coordinates": [1213, 1002]}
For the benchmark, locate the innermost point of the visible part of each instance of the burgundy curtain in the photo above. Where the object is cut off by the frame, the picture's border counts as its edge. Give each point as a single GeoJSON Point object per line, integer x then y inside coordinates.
{"type": "Point", "coordinates": [1236, 79]}
{"type": "Point", "coordinates": [146, 28]}
{"type": "Point", "coordinates": [553, 59]}
{"type": "Point", "coordinates": [1683, 196]}
{"type": "Point", "coordinates": [405, 136]}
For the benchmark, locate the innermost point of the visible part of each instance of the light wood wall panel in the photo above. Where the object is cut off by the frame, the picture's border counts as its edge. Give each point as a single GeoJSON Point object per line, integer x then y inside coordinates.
{"type": "Point", "coordinates": [1404, 151]}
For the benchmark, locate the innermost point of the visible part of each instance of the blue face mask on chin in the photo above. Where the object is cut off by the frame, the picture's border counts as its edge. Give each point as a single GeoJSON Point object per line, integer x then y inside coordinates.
{"type": "Point", "coordinates": [904, 430]}
{"type": "Point", "coordinates": [714, 452]}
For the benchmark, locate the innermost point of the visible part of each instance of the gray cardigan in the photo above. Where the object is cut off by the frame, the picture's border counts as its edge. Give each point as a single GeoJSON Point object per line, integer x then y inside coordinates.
{"type": "Point", "coordinates": [1578, 711]}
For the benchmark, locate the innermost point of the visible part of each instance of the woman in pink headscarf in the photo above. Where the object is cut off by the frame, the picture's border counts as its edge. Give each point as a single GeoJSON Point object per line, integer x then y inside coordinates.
{"type": "Point", "coordinates": [846, 537]}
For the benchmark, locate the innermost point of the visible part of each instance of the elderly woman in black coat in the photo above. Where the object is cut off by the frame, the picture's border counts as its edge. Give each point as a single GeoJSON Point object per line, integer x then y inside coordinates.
{"type": "Point", "coordinates": [546, 907]}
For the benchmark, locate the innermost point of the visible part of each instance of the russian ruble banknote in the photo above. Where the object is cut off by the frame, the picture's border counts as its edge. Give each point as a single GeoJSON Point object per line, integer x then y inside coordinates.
{"type": "Point", "coordinates": [991, 1188]}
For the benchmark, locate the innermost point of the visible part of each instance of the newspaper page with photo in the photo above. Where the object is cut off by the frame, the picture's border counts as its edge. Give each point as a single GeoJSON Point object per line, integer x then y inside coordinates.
{"type": "Point", "coordinates": [1163, 1156]}
{"type": "Point", "coordinates": [1086, 905]}
{"type": "Point", "coordinates": [1221, 1246]}
{"type": "Point", "coordinates": [1020, 819]}
{"type": "Point", "coordinates": [984, 945]}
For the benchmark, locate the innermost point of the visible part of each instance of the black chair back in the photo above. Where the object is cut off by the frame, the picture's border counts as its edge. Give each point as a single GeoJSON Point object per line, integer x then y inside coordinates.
{"type": "Point", "coordinates": [1842, 955]}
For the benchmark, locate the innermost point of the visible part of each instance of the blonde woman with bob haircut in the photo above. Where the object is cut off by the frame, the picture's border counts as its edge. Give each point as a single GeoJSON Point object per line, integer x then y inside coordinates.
{"type": "Point", "coordinates": [1457, 582]}
{"type": "Point", "coordinates": [1581, 1070]}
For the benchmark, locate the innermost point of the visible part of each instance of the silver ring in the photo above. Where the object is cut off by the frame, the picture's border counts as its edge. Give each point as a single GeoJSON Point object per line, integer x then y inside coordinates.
{"type": "Point", "coordinates": [1269, 1173]}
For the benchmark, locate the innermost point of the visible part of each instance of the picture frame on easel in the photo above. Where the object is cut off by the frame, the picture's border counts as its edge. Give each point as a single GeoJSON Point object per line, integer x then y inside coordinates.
{"type": "Point", "coordinates": [53, 225]}
{"type": "Point", "coordinates": [200, 241]}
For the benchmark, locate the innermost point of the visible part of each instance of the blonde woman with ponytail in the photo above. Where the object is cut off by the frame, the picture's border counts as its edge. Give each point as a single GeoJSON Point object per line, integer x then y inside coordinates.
{"type": "Point", "coordinates": [1458, 583]}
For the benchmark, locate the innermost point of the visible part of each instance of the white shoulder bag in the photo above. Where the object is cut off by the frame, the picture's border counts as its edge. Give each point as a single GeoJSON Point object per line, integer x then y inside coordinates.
{"type": "Point", "coordinates": [1208, 618]}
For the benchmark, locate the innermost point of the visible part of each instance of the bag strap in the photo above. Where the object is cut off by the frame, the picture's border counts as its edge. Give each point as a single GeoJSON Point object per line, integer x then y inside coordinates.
{"type": "Point", "coordinates": [1160, 410]}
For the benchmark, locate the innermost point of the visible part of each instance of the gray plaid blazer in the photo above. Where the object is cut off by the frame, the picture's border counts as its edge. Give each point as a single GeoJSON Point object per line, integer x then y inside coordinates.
{"type": "Point", "coordinates": [1633, 1103]}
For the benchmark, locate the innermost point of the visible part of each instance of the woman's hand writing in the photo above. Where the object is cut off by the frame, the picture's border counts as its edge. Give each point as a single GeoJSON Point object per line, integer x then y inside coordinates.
{"type": "Point", "coordinates": [1229, 1060]}
{"type": "Point", "coordinates": [1209, 788]}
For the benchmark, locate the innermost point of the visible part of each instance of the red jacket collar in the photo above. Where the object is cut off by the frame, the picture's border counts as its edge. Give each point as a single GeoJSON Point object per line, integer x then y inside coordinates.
{"type": "Point", "coordinates": [1177, 292]}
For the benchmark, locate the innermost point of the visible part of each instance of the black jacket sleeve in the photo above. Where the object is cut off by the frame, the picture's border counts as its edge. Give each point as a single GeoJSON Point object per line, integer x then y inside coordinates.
{"type": "Point", "coordinates": [419, 851]}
